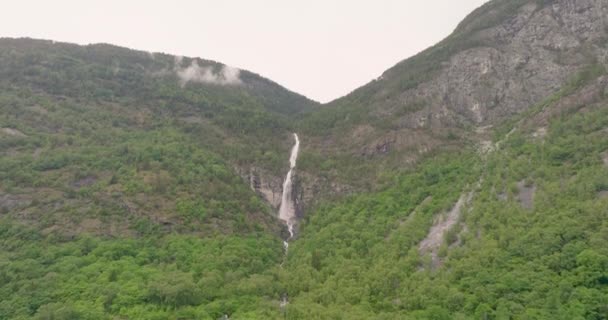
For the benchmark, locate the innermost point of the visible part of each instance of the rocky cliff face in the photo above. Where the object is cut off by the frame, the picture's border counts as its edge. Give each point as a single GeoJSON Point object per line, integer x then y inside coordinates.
{"type": "Point", "coordinates": [503, 69]}
{"type": "Point", "coordinates": [265, 185]}
{"type": "Point", "coordinates": [502, 60]}
{"type": "Point", "coordinates": [516, 64]}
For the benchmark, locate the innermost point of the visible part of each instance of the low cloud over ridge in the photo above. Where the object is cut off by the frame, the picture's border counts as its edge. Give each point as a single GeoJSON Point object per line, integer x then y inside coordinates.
{"type": "Point", "coordinates": [195, 73]}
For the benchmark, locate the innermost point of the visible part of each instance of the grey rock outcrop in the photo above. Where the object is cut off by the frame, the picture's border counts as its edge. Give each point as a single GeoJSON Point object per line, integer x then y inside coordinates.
{"type": "Point", "coordinates": [512, 65]}
{"type": "Point", "coordinates": [268, 187]}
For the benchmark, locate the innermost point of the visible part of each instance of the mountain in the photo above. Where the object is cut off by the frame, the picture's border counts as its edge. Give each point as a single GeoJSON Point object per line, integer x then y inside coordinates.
{"type": "Point", "coordinates": [503, 59]}
{"type": "Point", "coordinates": [132, 136]}
{"type": "Point", "coordinates": [467, 182]}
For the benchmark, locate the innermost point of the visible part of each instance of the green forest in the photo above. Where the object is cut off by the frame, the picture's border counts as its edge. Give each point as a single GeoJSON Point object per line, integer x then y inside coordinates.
{"type": "Point", "coordinates": [358, 258]}
{"type": "Point", "coordinates": [128, 191]}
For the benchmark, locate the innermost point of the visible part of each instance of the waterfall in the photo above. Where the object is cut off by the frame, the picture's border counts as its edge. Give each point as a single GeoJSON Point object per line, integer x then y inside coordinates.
{"type": "Point", "coordinates": [287, 210]}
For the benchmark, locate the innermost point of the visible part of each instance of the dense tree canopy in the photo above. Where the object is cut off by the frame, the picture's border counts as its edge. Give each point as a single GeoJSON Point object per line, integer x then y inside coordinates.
{"type": "Point", "coordinates": [124, 194]}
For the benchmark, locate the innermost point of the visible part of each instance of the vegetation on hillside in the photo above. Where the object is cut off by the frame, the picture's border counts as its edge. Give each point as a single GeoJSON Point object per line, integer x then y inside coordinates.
{"type": "Point", "coordinates": [172, 277]}
{"type": "Point", "coordinates": [359, 259]}
{"type": "Point", "coordinates": [107, 140]}
{"type": "Point", "coordinates": [124, 194]}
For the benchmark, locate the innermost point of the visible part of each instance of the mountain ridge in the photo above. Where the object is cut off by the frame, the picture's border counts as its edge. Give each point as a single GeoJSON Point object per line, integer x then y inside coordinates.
{"type": "Point", "coordinates": [469, 182]}
{"type": "Point", "coordinates": [500, 61]}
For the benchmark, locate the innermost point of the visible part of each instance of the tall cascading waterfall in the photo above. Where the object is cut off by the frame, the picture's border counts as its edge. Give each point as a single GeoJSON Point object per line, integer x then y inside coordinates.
{"type": "Point", "coordinates": [287, 210]}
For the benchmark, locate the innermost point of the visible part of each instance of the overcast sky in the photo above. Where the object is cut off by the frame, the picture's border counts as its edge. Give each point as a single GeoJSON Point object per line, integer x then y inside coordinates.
{"type": "Point", "coordinates": [320, 48]}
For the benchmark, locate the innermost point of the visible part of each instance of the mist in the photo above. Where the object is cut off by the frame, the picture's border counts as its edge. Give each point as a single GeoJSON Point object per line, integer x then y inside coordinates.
{"type": "Point", "coordinates": [206, 74]}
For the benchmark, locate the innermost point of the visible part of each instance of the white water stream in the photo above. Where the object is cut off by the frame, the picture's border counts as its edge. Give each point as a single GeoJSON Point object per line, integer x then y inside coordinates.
{"type": "Point", "coordinates": [287, 210]}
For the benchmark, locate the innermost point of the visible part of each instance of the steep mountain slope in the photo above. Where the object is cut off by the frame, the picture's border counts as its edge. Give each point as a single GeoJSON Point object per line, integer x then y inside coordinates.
{"type": "Point", "coordinates": [527, 238]}
{"type": "Point", "coordinates": [500, 61]}
{"type": "Point", "coordinates": [137, 168]}
{"type": "Point", "coordinates": [528, 244]}
{"type": "Point", "coordinates": [468, 182]}
{"type": "Point", "coordinates": [108, 140]}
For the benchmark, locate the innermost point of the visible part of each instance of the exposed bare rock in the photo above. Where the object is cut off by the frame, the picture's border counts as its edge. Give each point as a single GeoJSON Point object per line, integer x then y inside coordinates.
{"type": "Point", "coordinates": [383, 148]}
{"type": "Point", "coordinates": [399, 140]}
{"type": "Point", "coordinates": [525, 194]}
{"type": "Point", "coordinates": [605, 158]}
{"type": "Point", "coordinates": [443, 223]}
{"type": "Point", "coordinates": [13, 132]}
{"type": "Point", "coordinates": [485, 147]}
{"type": "Point", "coordinates": [486, 72]}
{"type": "Point", "coordinates": [592, 93]}
{"type": "Point", "coordinates": [270, 188]}
{"type": "Point", "coordinates": [380, 147]}
{"type": "Point", "coordinates": [540, 133]}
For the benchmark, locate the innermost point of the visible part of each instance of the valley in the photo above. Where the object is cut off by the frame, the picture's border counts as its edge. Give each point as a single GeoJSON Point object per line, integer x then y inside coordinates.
{"type": "Point", "coordinates": [467, 182]}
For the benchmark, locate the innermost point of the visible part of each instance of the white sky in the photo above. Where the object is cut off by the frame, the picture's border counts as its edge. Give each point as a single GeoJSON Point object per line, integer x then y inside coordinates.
{"type": "Point", "coordinates": [320, 48]}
